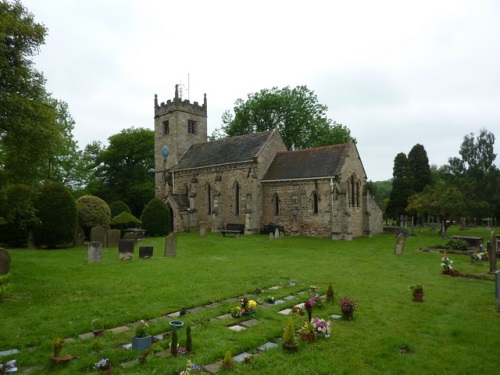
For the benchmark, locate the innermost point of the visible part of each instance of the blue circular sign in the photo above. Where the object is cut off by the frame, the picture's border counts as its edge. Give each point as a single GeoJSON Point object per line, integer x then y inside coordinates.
{"type": "Point", "coordinates": [164, 152]}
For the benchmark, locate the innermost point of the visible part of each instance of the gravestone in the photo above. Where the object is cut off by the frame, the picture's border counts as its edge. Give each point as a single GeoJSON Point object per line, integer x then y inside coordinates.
{"type": "Point", "coordinates": [145, 252]}
{"type": "Point", "coordinates": [94, 252]}
{"type": "Point", "coordinates": [202, 230]}
{"type": "Point", "coordinates": [271, 236]}
{"type": "Point", "coordinates": [4, 262]}
{"type": "Point", "coordinates": [113, 237]}
{"type": "Point", "coordinates": [171, 246]}
{"type": "Point", "coordinates": [98, 234]}
{"type": "Point", "coordinates": [126, 249]}
{"type": "Point", "coordinates": [276, 233]}
{"type": "Point", "coordinates": [79, 237]}
{"type": "Point", "coordinates": [400, 244]}
{"type": "Point", "coordinates": [492, 252]}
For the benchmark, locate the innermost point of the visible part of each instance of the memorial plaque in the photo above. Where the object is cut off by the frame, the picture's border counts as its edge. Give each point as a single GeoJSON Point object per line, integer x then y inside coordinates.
{"type": "Point", "coordinates": [126, 249]}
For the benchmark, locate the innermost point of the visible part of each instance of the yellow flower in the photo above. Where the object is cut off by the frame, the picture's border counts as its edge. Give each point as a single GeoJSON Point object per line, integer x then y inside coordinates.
{"type": "Point", "coordinates": [252, 304]}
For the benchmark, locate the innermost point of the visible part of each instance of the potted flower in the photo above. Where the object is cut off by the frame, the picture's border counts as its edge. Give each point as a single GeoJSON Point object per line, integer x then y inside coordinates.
{"type": "Point", "coordinates": [321, 327]}
{"type": "Point", "coordinates": [318, 300]}
{"type": "Point", "coordinates": [183, 311]}
{"type": "Point", "coordinates": [289, 342]}
{"type": "Point", "coordinates": [57, 356]}
{"type": "Point", "coordinates": [104, 365]}
{"type": "Point", "coordinates": [248, 306]}
{"type": "Point", "coordinates": [418, 292]}
{"type": "Point", "coordinates": [192, 368]}
{"type": "Point", "coordinates": [347, 307]}
{"type": "Point", "coordinates": [307, 332]}
{"type": "Point", "coordinates": [235, 312]}
{"type": "Point", "coordinates": [228, 361]}
{"type": "Point", "coordinates": [141, 340]}
{"type": "Point", "coordinates": [270, 300]}
{"type": "Point", "coordinates": [309, 308]}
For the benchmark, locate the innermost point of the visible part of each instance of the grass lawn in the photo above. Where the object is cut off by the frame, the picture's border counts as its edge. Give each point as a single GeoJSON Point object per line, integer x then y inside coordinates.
{"type": "Point", "coordinates": [455, 330]}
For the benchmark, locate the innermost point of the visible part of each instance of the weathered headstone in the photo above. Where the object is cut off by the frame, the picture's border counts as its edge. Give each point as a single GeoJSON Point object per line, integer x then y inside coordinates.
{"type": "Point", "coordinates": [4, 262]}
{"type": "Point", "coordinates": [79, 237]}
{"type": "Point", "coordinates": [276, 233]}
{"type": "Point", "coordinates": [94, 252]}
{"type": "Point", "coordinates": [113, 237]}
{"type": "Point", "coordinates": [171, 246]}
{"type": "Point", "coordinates": [400, 244]}
{"type": "Point", "coordinates": [145, 252]}
{"type": "Point", "coordinates": [98, 234]}
{"type": "Point", "coordinates": [492, 255]}
{"type": "Point", "coordinates": [202, 230]}
{"type": "Point", "coordinates": [271, 236]}
{"type": "Point", "coordinates": [126, 249]}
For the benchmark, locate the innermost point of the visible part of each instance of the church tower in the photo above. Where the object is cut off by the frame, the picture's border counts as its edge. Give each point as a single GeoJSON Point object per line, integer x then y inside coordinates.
{"type": "Point", "coordinates": [178, 124]}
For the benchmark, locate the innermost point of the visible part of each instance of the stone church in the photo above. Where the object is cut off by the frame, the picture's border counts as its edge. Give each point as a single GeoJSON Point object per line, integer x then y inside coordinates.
{"type": "Point", "coordinates": [254, 180]}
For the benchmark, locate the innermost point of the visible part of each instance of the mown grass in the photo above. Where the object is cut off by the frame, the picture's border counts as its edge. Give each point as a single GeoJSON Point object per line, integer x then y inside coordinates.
{"type": "Point", "coordinates": [57, 294]}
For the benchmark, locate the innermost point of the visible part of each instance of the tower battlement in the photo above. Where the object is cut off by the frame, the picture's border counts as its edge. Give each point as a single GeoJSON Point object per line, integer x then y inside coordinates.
{"type": "Point", "coordinates": [177, 104]}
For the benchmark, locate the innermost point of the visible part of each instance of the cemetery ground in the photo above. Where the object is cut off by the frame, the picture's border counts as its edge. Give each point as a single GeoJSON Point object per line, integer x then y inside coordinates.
{"type": "Point", "coordinates": [57, 294]}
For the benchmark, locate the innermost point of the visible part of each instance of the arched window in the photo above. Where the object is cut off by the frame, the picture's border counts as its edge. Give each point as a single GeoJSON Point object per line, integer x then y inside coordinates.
{"type": "Point", "coordinates": [358, 184]}
{"type": "Point", "coordinates": [353, 191]}
{"type": "Point", "coordinates": [314, 203]}
{"type": "Point", "coordinates": [236, 188]}
{"type": "Point", "coordinates": [209, 199]}
{"type": "Point", "coordinates": [276, 204]}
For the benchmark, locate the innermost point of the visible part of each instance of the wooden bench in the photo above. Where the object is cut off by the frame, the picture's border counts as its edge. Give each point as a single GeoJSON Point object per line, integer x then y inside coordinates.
{"type": "Point", "coordinates": [235, 229]}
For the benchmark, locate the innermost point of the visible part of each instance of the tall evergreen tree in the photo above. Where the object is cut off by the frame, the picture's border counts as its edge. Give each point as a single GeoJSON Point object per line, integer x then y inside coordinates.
{"type": "Point", "coordinates": [401, 187]}
{"type": "Point", "coordinates": [419, 167]}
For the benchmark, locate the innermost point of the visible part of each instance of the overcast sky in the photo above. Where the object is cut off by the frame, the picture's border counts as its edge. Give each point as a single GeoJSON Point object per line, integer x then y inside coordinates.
{"type": "Point", "coordinates": [396, 73]}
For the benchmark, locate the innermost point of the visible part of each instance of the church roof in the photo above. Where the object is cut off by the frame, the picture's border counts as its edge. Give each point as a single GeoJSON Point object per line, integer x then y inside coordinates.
{"type": "Point", "coordinates": [237, 149]}
{"type": "Point", "coordinates": [316, 162]}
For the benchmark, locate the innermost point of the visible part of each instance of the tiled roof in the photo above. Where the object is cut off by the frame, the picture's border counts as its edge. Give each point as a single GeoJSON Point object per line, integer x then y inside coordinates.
{"type": "Point", "coordinates": [182, 201]}
{"type": "Point", "coordinates": [307, 163]}
{"type": "Point", "coordinates": [223, 151]}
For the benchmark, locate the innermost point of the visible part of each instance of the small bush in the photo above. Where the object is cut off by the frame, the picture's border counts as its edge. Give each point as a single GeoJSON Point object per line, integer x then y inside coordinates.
{"type": "Point", "coordinates": [456, 244]}
{"type": "Point", "coordinates": [156, 218]}
{"type": "Point", "coordinates": [5, 286]}
{"type": "Point", "coordinates": [92, 211]}
{"type": "Point", "coordinates": [125, 220]}
{"type": "Point", "coordinates": [117, 207]}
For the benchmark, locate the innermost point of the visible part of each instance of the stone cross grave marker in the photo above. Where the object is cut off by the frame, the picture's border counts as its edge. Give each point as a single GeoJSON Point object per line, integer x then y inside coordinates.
{"type": "Point", "coordinates": [4, 262]}
{"type": "Point", "coordinates": [98, 233]}
{"type": "Point", "coordinates": [171, 246]}
{"type": "Point", "coordinates": [113, 237]}
{"type": "Point", "coordinates": [400, 244]}
{"type": "Point", "coordinates": [94, 252]}
{"type": "Point", "coordinates": [126, 249]}
{"type": "Point", "coordinates": [145, 252]}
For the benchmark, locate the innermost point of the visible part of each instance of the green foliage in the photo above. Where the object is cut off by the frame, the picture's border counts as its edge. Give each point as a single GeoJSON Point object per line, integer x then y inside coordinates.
{"type": "Point", "coordinates": [401, 187]}
{"type": "Point", "coordinates": [56, 210]}
{"type": "Point", "coordinates": [5, 286]}
{"type": "Point", "coordinates": [380, 190]}
{"type": "Point", "coordinates": [301, 120]}
{"type": "Point", "coordinates": [420, 170]}
{"type": "Point", "coordinates": [125, 220]}
{"type": "Point", "coordinates": [117, 207]}
{"type": "Point", "coordinates": [456, 244]}
{"type": "Point", "coordinates": [18, 213]}
{"type": "Point", "coordinates": [156, 218]}
{"type": "Point", "coordinates": [228, 360]}
{"type": "Point", "coordinates": [330, 293]}
{"type": "Point", "coordinates": [92, 211]}
{"type": "Point", "coordinates": [289, 333]}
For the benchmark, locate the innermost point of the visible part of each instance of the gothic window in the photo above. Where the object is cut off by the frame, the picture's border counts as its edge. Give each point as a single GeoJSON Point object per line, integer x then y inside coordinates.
{"type": "Point", "coordinates": [314, 202]}
{"type": "Point", "coordinates": [209, 199]}
{"type": "Point", "coordinates": [357, 192]}
{"type": "Point", "coordinates": [236, 189]}
{"type": "Point", "coordinates": [166, 127]}
{"type": "Point", "coordinates": [276, 204]}
{"type": "Point", "coordinates": [353, 190]}
{"type": "Point", "coordinates": [191, 127]}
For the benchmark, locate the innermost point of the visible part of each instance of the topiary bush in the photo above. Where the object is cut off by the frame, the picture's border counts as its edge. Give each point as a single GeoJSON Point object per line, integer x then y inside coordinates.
{"type": "Point", "coordinates": [456, 244]}
{"type": "Point", "coordinates": [92, 211]}
{"type": "Point", "coordinates": [117, 207]}
{"type": "Point", "coordinates": [156, 218]}
{"type": "Point", "coordinates": [56, 210]}
{"type": "Point", "coordinates": [125, 220]}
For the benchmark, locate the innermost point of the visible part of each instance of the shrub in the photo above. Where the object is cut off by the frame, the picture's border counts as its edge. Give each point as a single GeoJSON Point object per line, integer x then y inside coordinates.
{"type": "Point", "coordinates": [125, 220]}
{"type": "Point", "coordinates": [56, 210]}
{"type": "Point", "coordinates": [456, 244]}
{"type": "Point", "coordinates": [156, 218]}
{"type": "Point", "coordinates": [289, 334]}
{"type": "Point", "coordinates": [5, 286]}
{"type": "Point", "coordinates": [92, 211]}
{"type": "Point", "coordinates": [117, 207]}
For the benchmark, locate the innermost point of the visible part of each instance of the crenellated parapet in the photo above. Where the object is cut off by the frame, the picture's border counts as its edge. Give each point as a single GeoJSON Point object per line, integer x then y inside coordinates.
{"type": "Point", "coordinates": [177, 104]}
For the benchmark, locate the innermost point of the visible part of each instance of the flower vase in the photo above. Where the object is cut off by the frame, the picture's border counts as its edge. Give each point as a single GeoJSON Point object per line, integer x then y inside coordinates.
{"type": "Point", "coordinates": [309, 315]}
{"type": "Point", "coordinates": [107, 371]}
{"type": "Point", "coordinates": [347, 315]}
{"type": "Point", "coordinates": [141, 343]}
{"type": "Point", "coordinates": [306, 336]}
{"type": "Point", "coordinates": [419, 297]}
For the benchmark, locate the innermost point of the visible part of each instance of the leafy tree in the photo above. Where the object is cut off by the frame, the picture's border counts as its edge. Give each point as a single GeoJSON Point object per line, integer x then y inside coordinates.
{"type": "Point", "coordinates": [441, 200]}
{"type": "Point", "coordinates": [125, 220]}
{"type": "Point", "coordinates": [125, 169]}
{"type": "Point", "coordinates": [92, 211]}
{"type": "Point", "coordinates": [401, 187]}
{"type": "Point", "coordinates": [381, 190]}
{"type": "Point", "coordinates": [156, 218]}
{"type": "Point", "coordinates": [56, 210]}
{"type": "Point", "coordinates": [295, 112]}
{"type": "Point", "coordinates": [420, 170]}
{"type": "Point", "coordinates": [117, 207]}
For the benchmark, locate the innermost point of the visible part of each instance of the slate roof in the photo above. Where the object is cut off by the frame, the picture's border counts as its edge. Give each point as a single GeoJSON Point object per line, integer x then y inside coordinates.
{"type": "Point", "coordinates": [229, 150]}
{"type": "Point", "coordinates": [182, 201]}
{"type": "Point", "coordinates": [316, 162]}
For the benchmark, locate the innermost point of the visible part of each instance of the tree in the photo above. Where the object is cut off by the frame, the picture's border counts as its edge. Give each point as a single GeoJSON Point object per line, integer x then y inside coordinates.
{"type": "Point", "coordinates": [92, 211]}
{"type": "Point", "coordinates": [401, 187]}
{"type": "Point", "coordinates": [125, 169]}
{"type": "Point", "coordinates": [296, 112]}
{"type": "Point", "coordinates": [56, 210]}
{"type": "Point", "coordinates": [156, 218]}
{"type": "Point", "coordinates": [420, 170]}
{"type": "Point", "coordinates": [117, 207]}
